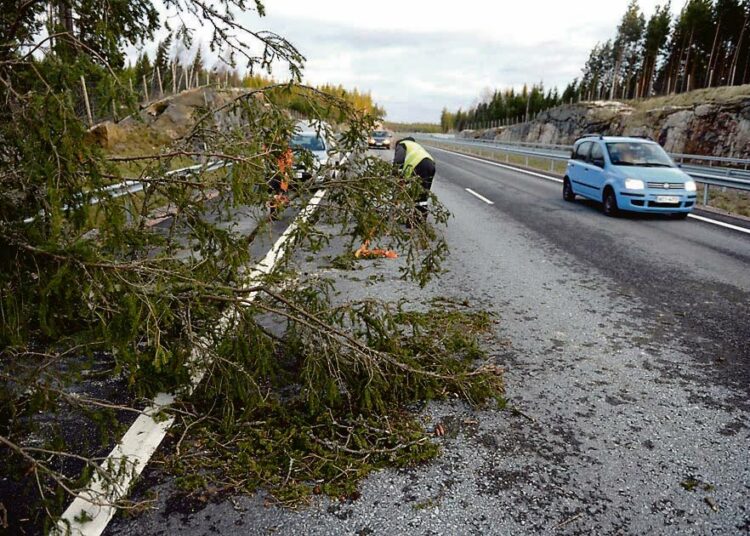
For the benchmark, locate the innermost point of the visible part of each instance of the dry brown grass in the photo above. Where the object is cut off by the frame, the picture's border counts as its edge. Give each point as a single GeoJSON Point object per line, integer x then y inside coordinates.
{"type": "Point", "coordinates": [142, 140]}
{"type": "Point", "coordinates": [714, 95]}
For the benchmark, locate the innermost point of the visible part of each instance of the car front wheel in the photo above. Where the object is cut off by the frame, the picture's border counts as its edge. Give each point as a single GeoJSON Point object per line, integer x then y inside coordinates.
{"type": "Point", "coordinates": [568, 193]}
{"type": "Point", "coordinates": [610, 203]}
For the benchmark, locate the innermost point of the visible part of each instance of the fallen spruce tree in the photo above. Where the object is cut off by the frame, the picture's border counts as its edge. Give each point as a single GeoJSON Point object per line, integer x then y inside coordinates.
{"type": "Point", "coordinates": [91, 292]}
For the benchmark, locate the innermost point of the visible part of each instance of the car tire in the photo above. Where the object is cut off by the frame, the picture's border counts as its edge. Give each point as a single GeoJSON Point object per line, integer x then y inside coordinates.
{"type": "Point", "coordinates": [610, 203]}
{"type": "Point", "coordinates": [568, 193]}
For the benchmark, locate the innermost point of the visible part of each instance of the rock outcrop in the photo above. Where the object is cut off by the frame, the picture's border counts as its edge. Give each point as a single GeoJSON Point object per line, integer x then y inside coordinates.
{"type": "Point", "coordinates": [705, 126]}
{"type": "Point", "coordinates": [174, 116]}
{"type": "Point", "coordinates": [169, 119]}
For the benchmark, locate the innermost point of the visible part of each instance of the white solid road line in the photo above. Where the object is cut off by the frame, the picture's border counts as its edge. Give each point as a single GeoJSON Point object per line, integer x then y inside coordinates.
{"type": "Point", "coordinates": [720, 223]}
{"type": "Point", "coordinates": [555, 179]}
{"type": "Point", "coordinates": [90, 512]}
{"type": "Point", "coordinates": [472, 192]}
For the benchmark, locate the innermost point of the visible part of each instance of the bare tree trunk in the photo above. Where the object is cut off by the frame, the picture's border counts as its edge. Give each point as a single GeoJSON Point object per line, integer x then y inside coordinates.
{"type": "Point", "coordinates": [64, 22]}
{"type": "Point", "coordinates": [650, 77]}
{"type": "Point", "coordinates": [65, 17]}
{"type": "Point", "coordinates": [158, 79]}
{"type": "Point", "coordinates": [86, 101]}
{"type": "Point", "coordinates": [709, 70]}
{"type": "Point", "coordinates": [614, 76]}
{"type": "Point", "coordinates": [686, 76]}
{"type": "Point", "coordinates": [736, 58]}
{"type": "Point", "coordinates": [51, 23]}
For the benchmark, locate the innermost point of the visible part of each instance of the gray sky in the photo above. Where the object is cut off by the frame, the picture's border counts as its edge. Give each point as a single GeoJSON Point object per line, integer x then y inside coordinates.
{"type": "Point", "coordinates": [418, 56]}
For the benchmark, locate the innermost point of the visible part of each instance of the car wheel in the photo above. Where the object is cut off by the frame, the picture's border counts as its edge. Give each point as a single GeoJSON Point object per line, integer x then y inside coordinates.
{"type": "Point", "coordinates": [568, 193]}
{"type": "Point", "coordinates": [680, 215]}
{"type": "Point", "coordinates": [610, 203]}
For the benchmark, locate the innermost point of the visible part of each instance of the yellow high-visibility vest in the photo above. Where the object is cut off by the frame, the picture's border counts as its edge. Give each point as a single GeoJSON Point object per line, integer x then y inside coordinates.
{"type": "Point", "coordinates": [415, 153]}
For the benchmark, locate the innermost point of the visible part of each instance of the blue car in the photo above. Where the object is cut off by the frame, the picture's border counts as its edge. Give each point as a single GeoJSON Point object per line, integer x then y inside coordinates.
{"type": "Point", "coordinates": [628, 174]}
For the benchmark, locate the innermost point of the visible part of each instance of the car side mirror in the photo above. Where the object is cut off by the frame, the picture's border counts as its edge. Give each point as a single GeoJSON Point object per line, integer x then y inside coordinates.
{"type": "Point", "coordinates": [599, 162]}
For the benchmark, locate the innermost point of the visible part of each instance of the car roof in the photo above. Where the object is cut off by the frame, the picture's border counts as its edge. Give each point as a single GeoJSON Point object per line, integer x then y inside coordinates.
{"type": "Point", "coordinates": [312, 126]}
{"type": "Point", "coordinates": [614, 139]}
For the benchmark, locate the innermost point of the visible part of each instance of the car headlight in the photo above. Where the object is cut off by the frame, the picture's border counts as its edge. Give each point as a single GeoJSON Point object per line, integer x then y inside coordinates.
{"type": "Point", "coordinates": [690, 186]}
{"type": "Point", "coordinates": [634, 184]}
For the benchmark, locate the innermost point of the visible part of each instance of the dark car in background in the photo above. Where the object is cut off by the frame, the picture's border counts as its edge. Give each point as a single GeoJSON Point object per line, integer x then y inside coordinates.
{"type": "Point", "coordinates": [380, 139]}
{"type": "Point", "coordinates": [314, 149]}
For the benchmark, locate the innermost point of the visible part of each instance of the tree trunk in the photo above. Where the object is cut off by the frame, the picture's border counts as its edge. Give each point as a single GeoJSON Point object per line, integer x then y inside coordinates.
{"type": "Point", "coordinates": [735, 60]}
{"type": "Point", "coordinates": [709, 69]}
{"type": "Point", "coordinates": [65, 17]}
{"type": "Point", "coordinates": [64, 23]}
{"type": "Point", "coordinates": [686, 75]}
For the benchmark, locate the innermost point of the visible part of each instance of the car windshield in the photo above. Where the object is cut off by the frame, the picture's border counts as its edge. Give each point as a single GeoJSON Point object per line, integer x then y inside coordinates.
{"type": "Point", "coordinates": [638, 154]}
{"type": "Point", "coordinates": [379, 134]}
{"type": "Point", "coordinates": [311, 142]}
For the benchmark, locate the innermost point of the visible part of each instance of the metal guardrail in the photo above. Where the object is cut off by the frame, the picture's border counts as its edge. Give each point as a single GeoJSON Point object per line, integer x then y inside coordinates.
{"type": "Point", "coordinates": [133, 186]}
{"type": "Point", "coordinates": [742, 163]}
{"type": "Point", "coordinates": [738, 179]}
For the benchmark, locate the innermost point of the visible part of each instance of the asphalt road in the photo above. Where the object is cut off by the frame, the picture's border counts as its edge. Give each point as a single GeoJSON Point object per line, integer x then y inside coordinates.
{"type": "Point", "coordinates": [626, 348]}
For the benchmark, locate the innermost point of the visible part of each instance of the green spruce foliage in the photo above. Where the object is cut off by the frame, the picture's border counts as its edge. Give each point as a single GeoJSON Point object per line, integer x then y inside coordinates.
{"type": "Point", "coordinates": [92, 291]}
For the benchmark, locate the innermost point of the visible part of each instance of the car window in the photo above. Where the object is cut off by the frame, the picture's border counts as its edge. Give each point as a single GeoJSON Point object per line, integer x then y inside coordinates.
{"type": "Point", "coordinates": [597, 155]}
{"type": "Point", "coordinates": [311, 142]}
{"type": "Point", "coordinates": [633, 153]}
{"type": "Point", "coordinates": [583, 151]}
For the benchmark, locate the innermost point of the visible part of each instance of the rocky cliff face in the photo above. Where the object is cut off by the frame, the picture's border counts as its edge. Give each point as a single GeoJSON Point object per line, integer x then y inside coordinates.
{"type": "Point", "coordinates": [170, 118]}
{"type": "Point", "coordinates": [705, 126]}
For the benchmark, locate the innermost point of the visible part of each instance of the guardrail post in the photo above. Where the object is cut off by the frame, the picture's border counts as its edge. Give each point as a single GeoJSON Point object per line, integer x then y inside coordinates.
{"type": "Point", "coordinates": [705, 194]}
{"type": "Point", "coordinates": [551, 165]}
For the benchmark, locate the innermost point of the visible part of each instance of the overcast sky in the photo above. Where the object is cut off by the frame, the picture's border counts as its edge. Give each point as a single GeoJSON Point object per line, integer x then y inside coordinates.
{"type": "Point", "coordinates": [418, 56]}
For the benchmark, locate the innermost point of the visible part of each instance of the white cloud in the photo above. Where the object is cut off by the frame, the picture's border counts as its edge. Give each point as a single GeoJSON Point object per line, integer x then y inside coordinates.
{"type": "Point", "coordinates": [418, 56]}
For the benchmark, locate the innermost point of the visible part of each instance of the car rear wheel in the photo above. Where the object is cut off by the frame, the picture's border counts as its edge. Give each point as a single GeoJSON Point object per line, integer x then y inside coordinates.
{"type": "Point", "coordinates": [568, 193]}
{"type": "Point", "coordinates": [610, 203]}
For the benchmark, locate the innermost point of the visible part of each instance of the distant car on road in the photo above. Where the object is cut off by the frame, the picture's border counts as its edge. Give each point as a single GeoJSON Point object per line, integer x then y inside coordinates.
{"type": "Point", "coordinates": [313, 149]}
{"type": "Point", "coordinates": [628, 174]}
{"type": "Point", "coordinates": [380, 138]}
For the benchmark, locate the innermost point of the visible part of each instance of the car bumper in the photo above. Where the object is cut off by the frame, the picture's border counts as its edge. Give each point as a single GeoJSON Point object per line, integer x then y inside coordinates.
{"type": "Point", "coordinates": [647, 201]}
{"type": "Point", "coordinates": [384, 144]}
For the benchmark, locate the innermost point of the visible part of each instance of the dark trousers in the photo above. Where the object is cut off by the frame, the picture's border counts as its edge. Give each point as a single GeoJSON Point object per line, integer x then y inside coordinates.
{"type": "Point", "coordinates": [425, 170]}
{"type": "Point", "coordinates": [274, 183]}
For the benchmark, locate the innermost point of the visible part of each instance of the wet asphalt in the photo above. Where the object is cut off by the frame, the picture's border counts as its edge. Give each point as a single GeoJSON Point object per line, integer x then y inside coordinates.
{"type": "Point", "coordinates": [626, 345]}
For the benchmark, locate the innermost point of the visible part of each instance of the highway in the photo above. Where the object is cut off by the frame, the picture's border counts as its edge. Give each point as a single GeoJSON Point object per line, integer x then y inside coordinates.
{"type": "Point", "coordinates": [626, 345]}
